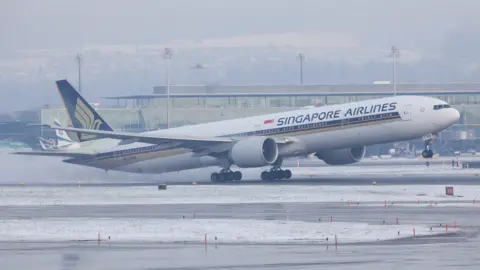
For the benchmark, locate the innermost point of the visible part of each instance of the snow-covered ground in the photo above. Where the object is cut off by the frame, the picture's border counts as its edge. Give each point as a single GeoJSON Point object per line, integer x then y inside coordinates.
{"type": "Point", "coordinates": [226, 231]}
{"type": "Point", "coordinates": [197, 194]}
{"type": "Point", "coordinates": [387, 171]}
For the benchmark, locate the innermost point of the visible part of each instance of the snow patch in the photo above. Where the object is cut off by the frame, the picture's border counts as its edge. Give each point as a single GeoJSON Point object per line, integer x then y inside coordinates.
{"type": "Point", "coordinates": [226, 231]}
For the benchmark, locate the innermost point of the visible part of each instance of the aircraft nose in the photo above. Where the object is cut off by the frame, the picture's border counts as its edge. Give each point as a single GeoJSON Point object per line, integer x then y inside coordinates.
{"type": "Point", "coordinates": [455, 115]}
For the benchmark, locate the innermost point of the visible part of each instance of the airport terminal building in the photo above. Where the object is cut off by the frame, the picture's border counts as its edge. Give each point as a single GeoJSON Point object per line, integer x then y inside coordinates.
{"type": "Point", "coordinates": [193, 104]}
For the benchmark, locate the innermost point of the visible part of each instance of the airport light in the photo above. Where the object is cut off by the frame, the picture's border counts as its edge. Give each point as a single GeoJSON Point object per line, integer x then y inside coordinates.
{"type": "Point", "coordinates": [301, 59]}
{"type": "Point", "coordinates": [79, 63]}
{"type": "Point", "coordinates": [167, 55]}
{"type": "Point", "coordinates": [395, 52]}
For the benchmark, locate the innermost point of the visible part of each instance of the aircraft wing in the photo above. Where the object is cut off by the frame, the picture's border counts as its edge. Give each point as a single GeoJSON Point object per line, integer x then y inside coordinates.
{"type": "Point", "coordinates": [189, 142]}
{"type": "Point", "coordinates": [185, 141]}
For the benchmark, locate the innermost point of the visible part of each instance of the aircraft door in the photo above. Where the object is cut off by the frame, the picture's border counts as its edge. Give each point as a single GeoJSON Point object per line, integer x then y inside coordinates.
{"type": "Point", "coordinates": [407, 112]}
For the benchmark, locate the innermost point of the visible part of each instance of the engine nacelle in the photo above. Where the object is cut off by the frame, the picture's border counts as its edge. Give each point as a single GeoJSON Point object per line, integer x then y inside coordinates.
{"type": "Point", "coordinates": [342, 156]}
{"type": "Point", "coordinates": [254, 152]}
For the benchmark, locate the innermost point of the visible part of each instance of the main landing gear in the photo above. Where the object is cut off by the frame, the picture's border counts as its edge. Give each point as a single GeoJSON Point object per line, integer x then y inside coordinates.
{"type": "Point", "coordinates": [276, 173]}
{"type": "Point", "coordinates": [428, 139]}
{"type": "Point", "coordinates": [226, 175]}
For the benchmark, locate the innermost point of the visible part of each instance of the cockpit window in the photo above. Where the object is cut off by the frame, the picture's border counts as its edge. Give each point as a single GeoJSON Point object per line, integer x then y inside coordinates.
{"type": "Point", "coordinates": [441, 106]}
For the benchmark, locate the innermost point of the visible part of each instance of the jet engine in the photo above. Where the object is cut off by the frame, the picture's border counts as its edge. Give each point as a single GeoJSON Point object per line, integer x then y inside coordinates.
{"type": "Point", "coordinates": [254, 152]}
{"type": "Point", "coordinates": [342, 156]}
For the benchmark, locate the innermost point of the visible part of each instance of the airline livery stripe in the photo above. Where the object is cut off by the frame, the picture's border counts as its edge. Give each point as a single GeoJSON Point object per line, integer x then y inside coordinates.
{"type": "Point", "coordinates": [344, 123]}
{"type": "Point", "coordinates": [303, 128]}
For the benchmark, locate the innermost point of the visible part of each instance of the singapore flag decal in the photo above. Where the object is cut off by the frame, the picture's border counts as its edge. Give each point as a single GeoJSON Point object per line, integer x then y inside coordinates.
{"type": "Point", "coordinates": [269, 121]}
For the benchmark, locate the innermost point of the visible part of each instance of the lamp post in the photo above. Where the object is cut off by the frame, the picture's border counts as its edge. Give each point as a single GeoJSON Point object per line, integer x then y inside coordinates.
{"type": "Point", "coordinates": [79, 62]}
{"type": "Point", "coordinates": [395, 52]}
{"type": "Point", "coordinates": [301, 58]}
{"type": "Point", "coordinates": [167, 55]}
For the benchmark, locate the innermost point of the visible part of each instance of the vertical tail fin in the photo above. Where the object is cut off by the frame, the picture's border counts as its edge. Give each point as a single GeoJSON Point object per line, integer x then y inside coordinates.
{"type": "Point", "coordinates": [63, 139]}
{"type": "Point", "coordinates": [81, 114]}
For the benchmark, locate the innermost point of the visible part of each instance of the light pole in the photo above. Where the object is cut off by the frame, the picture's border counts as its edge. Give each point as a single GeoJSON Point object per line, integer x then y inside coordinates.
{"type": "Point", "coordinates": [301, 58]}
{"type": "Point", "coordinates": [167, 55]}
{"type": "Point", "coordinates": [395, 52]}
{"type": "Point", "coordinates": [79, 62]}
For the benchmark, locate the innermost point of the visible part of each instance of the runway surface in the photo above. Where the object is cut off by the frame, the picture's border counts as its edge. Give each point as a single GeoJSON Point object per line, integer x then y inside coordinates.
{"type": "Point", "coordinates": [453, 250]}
{"type": "Point", "coordinates": [339, 180]}
{"type": "Point", "coordinates": [52, 212]}
{"type": "Point", "coordinates": [310, 212]}
{"type": "Point", "coordinates": [434, 255]}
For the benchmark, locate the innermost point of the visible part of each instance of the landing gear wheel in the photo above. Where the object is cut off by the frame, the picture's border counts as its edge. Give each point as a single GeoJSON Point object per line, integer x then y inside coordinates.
{"type": "Point", "coordinates": [237, 176]}
{"type": "Point", "coordinates": [428, 139]}
{"type": "Point", "coordinates": [266, 176]}
{"type": "Point", "coordinates": [221, 177]}
{"type": "Point", "coordinates": [427, 153]}
{"type": "Point", "coordinates": [226, 176]}
{"type": "Point", "coordinates": [276, 175]}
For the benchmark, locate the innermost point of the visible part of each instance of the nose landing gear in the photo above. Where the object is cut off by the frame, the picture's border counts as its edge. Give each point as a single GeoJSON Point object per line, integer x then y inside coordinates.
{"type": "Point", "coordinates": [428, 139]}
{"type": "Point", "coordinates": [427, 153]}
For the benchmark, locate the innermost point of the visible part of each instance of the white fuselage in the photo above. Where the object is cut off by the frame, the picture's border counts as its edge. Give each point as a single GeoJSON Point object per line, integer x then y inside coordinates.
{"type": "Point", "coordinates": [313, 130]}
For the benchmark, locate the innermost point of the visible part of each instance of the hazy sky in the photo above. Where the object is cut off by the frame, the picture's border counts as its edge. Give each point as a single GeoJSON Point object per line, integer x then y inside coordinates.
{"type": "Point", "coordinates": [443, 27]}
{"type": "Point", "coordinates": [65, 23]}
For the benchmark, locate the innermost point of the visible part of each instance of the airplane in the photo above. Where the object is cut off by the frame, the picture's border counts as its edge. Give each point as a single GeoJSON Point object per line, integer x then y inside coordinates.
{"type": "Point", "coordinates": [63, 141]}
{"type": "Point", "coordinates": [47, 145]}
{"type": "Point", "coordinates": [337, 134]}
